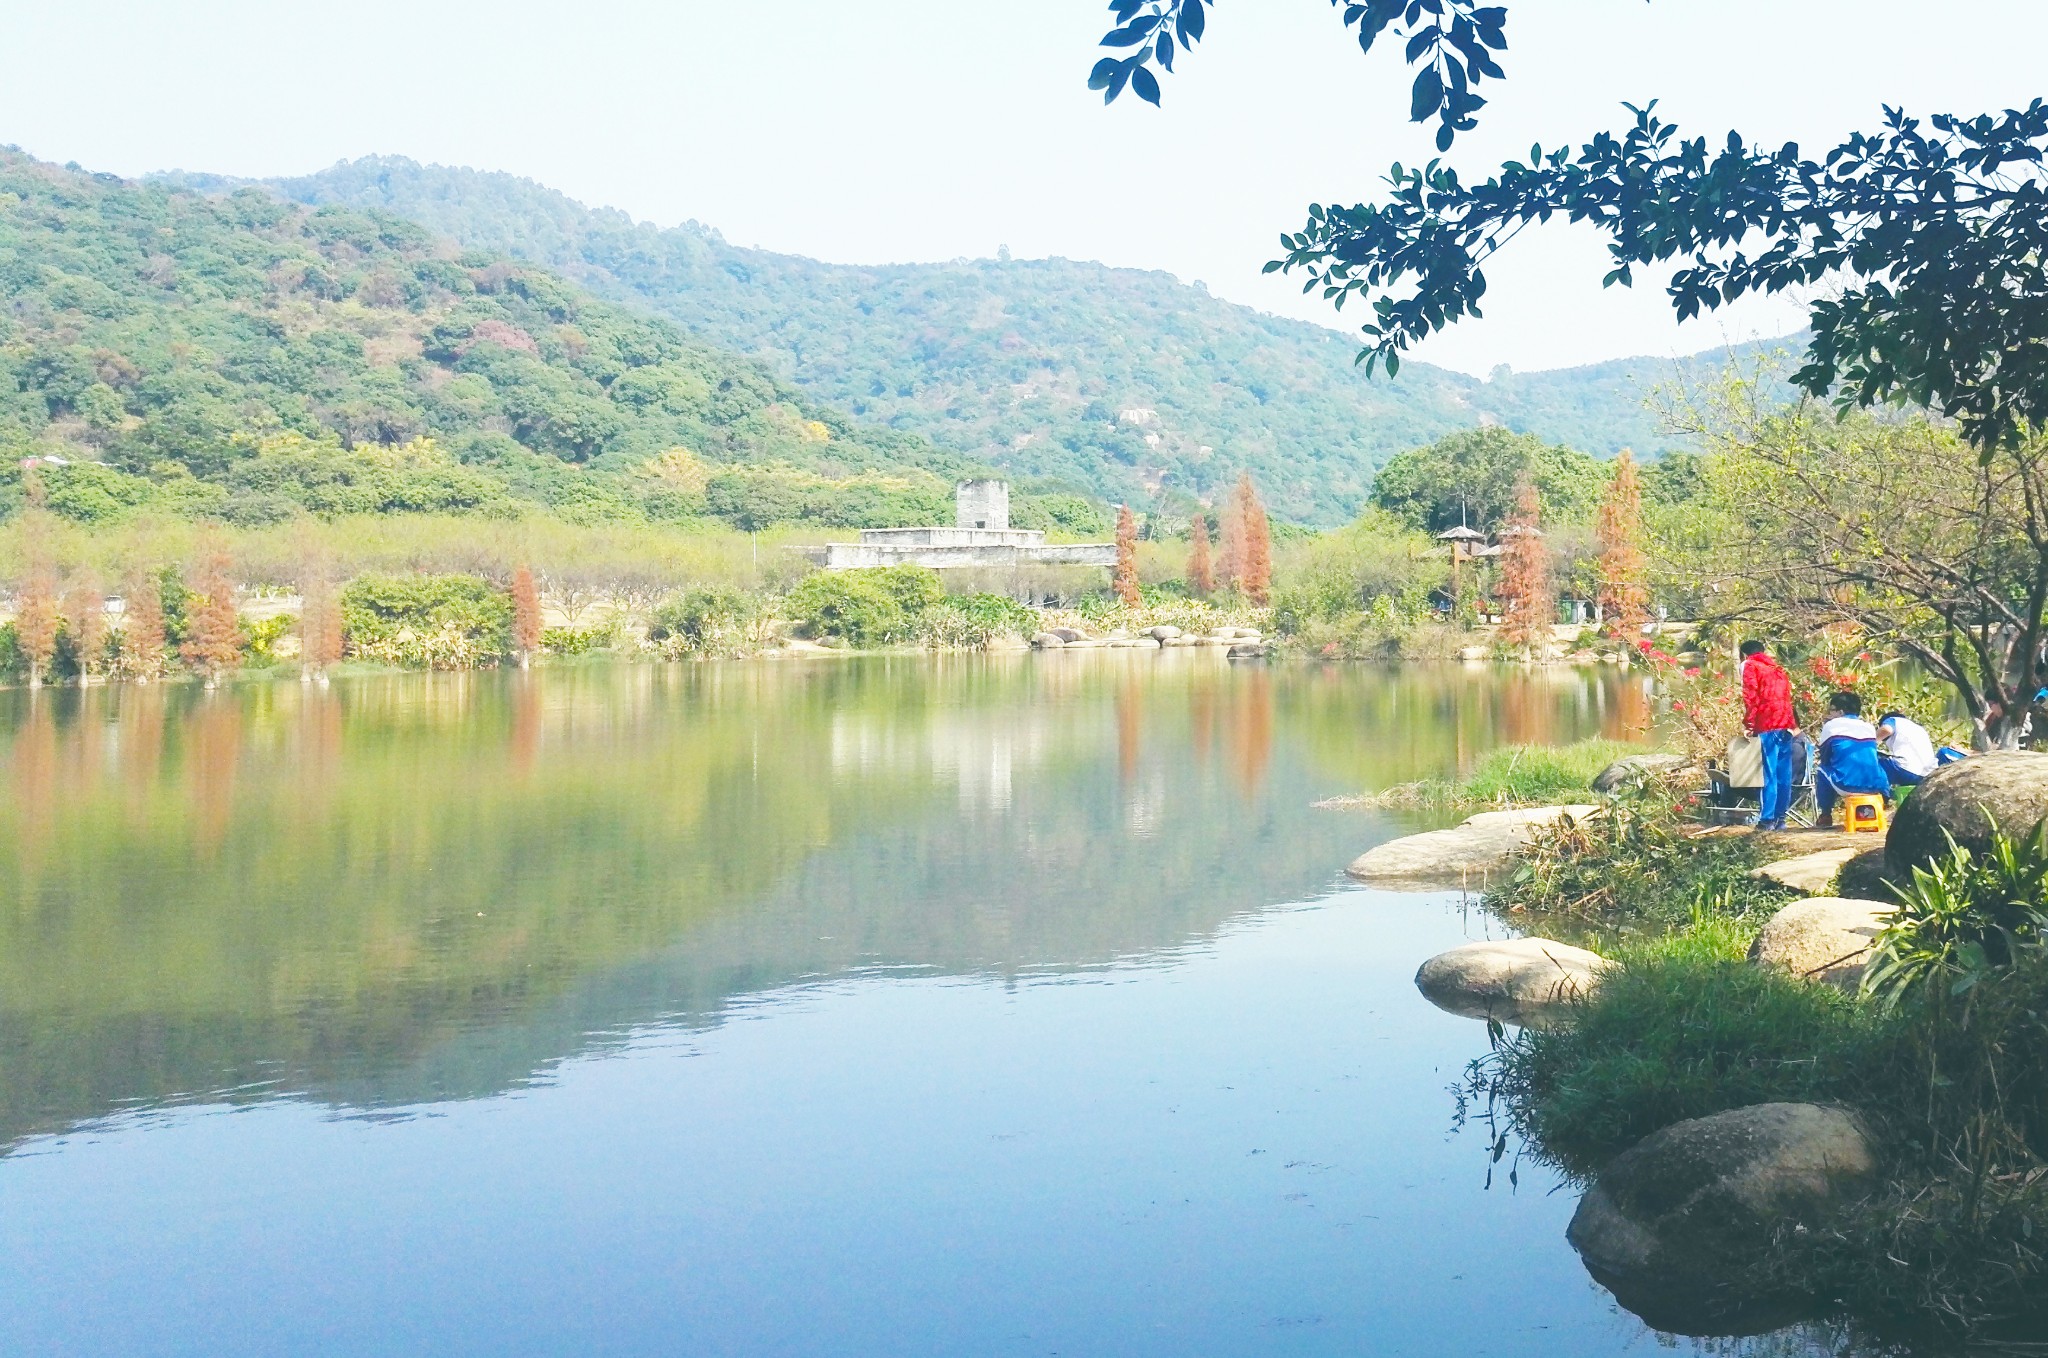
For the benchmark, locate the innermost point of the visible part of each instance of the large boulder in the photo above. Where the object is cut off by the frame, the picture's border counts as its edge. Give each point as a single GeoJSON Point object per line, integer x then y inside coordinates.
{"type": "Point", "coordinates": [1515, 980]}
{"type": "Point", "coordinates": [1673, 1224]}
{"type": "Point", "coordinates": [1965, 799]}
{"type": "Point", "coordinates": [1824, 938]}
{"type": "Point", "coordinates": [1465, 854]}
{"type": "Point", "coordinates": [1048, 641]}
{"type": "Point", "coordinates": [1636, 768]}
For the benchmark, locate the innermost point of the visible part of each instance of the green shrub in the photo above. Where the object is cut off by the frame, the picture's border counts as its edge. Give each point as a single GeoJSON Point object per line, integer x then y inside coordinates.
{"type": "Point", "coordinates": [580, 640]}
{"type": "Point", "coordinates": [1963, 918]}
{"type": "Point", "coordinates": [975, 620]}
{"type": "Point", "coordinates": [1377, 566]}
{"type": "Point", "coordinates": [871, 607]}
{"type": "Point", "coordinates": [915, 589]}
{"type": "Point", "coordinates": [703, 622]}
{"type": "Point", "coordinates": [261, 639]}
{"type": "Point", "coordinates": [427, 621]}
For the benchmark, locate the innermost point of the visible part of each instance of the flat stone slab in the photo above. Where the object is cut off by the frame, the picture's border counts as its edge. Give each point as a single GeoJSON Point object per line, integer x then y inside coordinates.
{"type": "Point", "coordinates": [1812, 873]}
{"type": "Point", "coordinates": [1824, 938]}
{"type": "Point", "coordinates": [1465, 854]}
{"type": "Point", "coordinates": [1515, 980]}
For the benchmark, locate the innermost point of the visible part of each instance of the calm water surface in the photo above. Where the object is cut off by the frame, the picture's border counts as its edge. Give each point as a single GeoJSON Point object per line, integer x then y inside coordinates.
{"type": "Point", "coordinates": [964, 1006]}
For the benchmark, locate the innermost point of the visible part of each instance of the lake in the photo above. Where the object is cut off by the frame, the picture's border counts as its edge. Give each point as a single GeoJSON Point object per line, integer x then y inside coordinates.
{"type": "Point", "coordinates": [967, 1005]}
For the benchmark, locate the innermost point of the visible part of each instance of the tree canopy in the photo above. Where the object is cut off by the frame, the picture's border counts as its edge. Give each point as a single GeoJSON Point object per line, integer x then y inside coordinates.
{"type": "Point", "coordinates": [1934, 228]}
{"type": "Point", "coordinates": [1130, 384]}
{"type": "Point", "coordinates": [1474, 478]}
{"type": "Point", "coordinates": [237, 357]}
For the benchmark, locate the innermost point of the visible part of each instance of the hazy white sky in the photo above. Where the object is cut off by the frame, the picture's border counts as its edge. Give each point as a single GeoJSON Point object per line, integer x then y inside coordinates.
{"type": "Point", "coordinates": [889, 130]}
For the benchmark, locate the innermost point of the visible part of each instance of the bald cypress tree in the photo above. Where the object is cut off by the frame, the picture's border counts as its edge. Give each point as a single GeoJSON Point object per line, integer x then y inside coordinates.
{"type": "Point", "coordinates": [1126, 578]}
{"type": "Point", "coordinates": [1528, 603]}
{"type": "Point", "coordinates": [1624, 595]}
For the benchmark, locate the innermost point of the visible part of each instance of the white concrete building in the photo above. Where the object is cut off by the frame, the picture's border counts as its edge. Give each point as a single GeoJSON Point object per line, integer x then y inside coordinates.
{"type": "Point", "coordinates": [980, 536]}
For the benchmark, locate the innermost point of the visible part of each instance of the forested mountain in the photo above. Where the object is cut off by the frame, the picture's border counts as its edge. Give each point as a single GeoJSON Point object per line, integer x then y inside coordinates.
{"type": "Point", "coordinates": [1127, 381]}
{"type": "Point", "coordinates": [245, 356]}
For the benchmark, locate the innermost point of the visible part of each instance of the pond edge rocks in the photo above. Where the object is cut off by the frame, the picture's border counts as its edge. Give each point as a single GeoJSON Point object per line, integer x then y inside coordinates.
{"type": "Point", "coordinates": [1965, 799]}
{"type": "Point", "coordinates": [1465, 854]}
{"type": "Point", "coordinates": [1514, 980]}
{"type": "Point", "coordinates": [1822, 938]}
{"type": "Point", "coordinates": [1671, 1226]}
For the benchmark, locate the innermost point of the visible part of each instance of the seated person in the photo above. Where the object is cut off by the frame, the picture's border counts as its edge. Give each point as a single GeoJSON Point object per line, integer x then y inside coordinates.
{"type": "Point", "coordinates": [1847, 758]}
{"type": "Point", "coordinates": [1908, 751]}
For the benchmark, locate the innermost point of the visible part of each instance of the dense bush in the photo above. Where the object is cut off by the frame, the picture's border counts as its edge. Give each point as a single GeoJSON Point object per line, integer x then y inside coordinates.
{"type": "Point", "coordinates": [976, 620]}
{"type": "Point", "coordinates": [1374, 579]}
{"type": "Point", "coordinates": [709, 622]}
{"type": "Point", "coordinates": [580, 640]}
{"type": "Point", "coordinates": [427, 621]}
{"type": "Point", "coordinates": [866, 607]}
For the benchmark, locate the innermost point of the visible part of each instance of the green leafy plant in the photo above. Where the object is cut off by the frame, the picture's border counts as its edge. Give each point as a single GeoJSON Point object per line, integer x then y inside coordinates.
{"type": "Point", "coordinates": [1962, 919]}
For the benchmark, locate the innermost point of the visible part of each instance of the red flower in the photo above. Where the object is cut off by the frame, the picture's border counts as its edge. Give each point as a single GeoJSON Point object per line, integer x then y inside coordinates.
{"type": "Point", "coordinates": [1693, 673]}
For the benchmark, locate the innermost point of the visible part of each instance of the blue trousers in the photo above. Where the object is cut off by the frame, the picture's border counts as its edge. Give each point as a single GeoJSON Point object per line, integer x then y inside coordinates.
{"type": "Point", "coordinates": [1897, 772]}
{"type": "Point", "coordinates": [1776, 747]}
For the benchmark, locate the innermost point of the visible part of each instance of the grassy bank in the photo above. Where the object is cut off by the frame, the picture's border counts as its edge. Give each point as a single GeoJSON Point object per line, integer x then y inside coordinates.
{"type": "Point", "coordinates": [1512, 775]}
{"type": "Point", "coordinates": [1949, 1073]}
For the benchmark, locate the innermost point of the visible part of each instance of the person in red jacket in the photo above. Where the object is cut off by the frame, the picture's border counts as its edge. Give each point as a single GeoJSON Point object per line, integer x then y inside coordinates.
{"type": "Point", "coordinates": [1767, 715]}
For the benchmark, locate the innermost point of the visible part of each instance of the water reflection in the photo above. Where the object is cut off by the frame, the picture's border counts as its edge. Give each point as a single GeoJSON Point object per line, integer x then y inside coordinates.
{"type": "Point", "coordinates": [315, 887]}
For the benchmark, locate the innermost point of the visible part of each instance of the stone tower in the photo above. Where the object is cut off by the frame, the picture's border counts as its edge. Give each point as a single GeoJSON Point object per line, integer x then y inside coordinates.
{"type": "Point", "coordinates": [982, 504]}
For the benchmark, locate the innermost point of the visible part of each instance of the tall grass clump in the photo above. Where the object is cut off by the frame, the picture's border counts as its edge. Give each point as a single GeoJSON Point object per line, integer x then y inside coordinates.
{"type": "Point", "coordinates": [1515, 775]}
{"type": "Point", "coordinates": [1634, 871]}
{"type": "Point", "coordinates": [1681, 1029]}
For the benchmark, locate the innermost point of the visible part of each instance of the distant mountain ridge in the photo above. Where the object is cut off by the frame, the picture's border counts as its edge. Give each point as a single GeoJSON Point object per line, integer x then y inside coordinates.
{"type": "Point", "coordinates": [1127, 382]}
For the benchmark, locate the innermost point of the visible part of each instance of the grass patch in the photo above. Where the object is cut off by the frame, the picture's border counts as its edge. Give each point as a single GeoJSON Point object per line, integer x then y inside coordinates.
{"type": "Point", "coordinates": [1683, 1029]}
{"type": "Point", "coordinates": [1513, 775]}
{"type": "Point", "coordinates": [1952, 1081]}
{"type": "Point", "coordinates": [1634, 873]}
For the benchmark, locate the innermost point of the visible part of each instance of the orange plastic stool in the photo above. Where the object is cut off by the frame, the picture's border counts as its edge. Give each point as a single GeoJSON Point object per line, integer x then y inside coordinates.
{"type": "Point", "coordinates": [1862, 813]}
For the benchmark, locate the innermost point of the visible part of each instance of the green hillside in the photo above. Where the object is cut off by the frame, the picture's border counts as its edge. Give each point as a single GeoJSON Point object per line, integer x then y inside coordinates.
{"type": "Point", "coordinates": [1129, 382]}
{"type": "Point", "coordinates": [253, 359]}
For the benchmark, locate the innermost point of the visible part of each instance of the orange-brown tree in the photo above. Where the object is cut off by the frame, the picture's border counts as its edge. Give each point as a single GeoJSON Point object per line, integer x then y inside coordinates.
{"type": "Point", "coordinates": [85, 614]}
{"type": "Point", "coordinates": [1624, 564]}
{"type": "Point", "coordinates": [1126, 579]}
{"type": "Point", "coordinates": [142, 627]}
{"type": "Point", "coordinates": [526, 626]}
{"type": "Point", "coordinates": [1528, 603]}
{"type": "Point", "coordinates": [1256, 575]}
{"type": "Point", "coordinates": [36, 617]}
{"type": "Point", "coordinates": [213, 634]}
{"type": "Point", "coordinates": [320, 632]}
{"type": "Point", "coordinates": [1230, 523]}
{"type": "Point", "coordinates": [1201, 569]}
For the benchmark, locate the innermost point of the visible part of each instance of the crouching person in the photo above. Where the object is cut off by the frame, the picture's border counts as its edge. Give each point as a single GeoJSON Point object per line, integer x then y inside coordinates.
{"type": "Point", "coordinates": [1847, 760]}
{"type": "Point", "coordinates": [1908, 751]}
